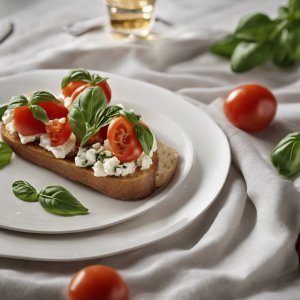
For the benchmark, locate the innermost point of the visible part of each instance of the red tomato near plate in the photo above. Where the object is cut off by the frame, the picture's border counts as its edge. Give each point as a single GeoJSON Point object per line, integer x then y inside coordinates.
{"type": "Point", "coordinates": [71, 87]}
{"type": "Point", "coordinates": [97, 283]}
{"type": "Point", "coordinates": [250, 107]}
{"type": "Point", "coordinates": [122, 138]}
{"type": "Point", "coordinates": [26, 124]}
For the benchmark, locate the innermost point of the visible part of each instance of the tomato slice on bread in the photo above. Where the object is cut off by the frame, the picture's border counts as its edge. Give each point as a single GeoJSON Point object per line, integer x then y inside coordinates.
{"type": "Point", "coordinates": [58, 132]}
{"type": "Point", "coordinates": [26, 124]}
{"type": "Point", "coordinates": [123, 140]}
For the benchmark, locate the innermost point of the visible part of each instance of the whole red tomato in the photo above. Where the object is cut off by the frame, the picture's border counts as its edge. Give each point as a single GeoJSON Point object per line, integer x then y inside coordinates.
{"type": "Point", "coordinates": [26, 124]}
{"type": "Point", "coordinates": [250, 107]}
{"type": "Point", "coordinates": [97, 283]}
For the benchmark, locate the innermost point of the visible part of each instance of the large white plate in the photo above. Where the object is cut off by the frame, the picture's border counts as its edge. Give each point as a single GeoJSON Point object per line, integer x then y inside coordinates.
{"type": "Point", "coordinates": [211, 161]}
{"type": "Point", "coordinates": [104, 211]}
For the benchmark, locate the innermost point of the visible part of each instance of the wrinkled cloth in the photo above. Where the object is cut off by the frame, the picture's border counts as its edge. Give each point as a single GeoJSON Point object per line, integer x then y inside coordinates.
{"type": "Point", "coordinates": [243, 246]}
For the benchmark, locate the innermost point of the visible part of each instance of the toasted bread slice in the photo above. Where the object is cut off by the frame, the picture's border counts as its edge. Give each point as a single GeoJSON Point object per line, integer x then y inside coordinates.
{"type": "Point", "coordinates": [168, 160]}
{"type": "Point", "coordinates": [138, 185]}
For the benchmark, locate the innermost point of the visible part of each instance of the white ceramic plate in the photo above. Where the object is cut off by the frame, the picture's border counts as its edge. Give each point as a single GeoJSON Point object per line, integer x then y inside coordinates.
{"type": "Point", "coordinates": [211, 161]}
{"type": "Point", "coordinates": [104, 211]}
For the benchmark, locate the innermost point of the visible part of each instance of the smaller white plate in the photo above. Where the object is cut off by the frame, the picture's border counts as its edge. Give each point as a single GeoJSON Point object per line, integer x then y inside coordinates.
{"type": "Point", "coordinates": [156, 105]}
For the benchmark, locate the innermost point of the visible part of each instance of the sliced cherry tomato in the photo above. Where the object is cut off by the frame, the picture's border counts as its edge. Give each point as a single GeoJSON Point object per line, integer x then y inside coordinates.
{"type": "Point", "coordinates": [97, 283]}
{"type": "Point", "coordinates": [104, 85]}
{"type": "Point", "coordinates": [26, 124]}
{"type": "Point", "coordinates": [123, 140]}
{"type": "Point", "coordinates": [250, 107]}
{"type": "Point", "coordinates": [71, 87]}
{"type": "Point", "coordinates": [59, 133]}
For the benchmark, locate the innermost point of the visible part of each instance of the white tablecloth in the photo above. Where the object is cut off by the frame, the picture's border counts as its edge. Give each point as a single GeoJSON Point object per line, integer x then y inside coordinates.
{"type": "Point", "coordinates": [243, 246]}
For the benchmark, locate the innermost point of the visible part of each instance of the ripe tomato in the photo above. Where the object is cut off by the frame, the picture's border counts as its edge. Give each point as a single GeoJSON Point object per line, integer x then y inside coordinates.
{"type": "Point", "coordinates": [250, 107]}
{"type": "Point", "coordinates": [97, 283]}
{"type": "Point", "coordinates": [71, 87]}
{"type": "Point", "coordinates": [99, 137]}
{"type": "Point", "coordinates": [59, 133]}
{"type": "Point", "coordinates": [26, 124]}
{"type": "Point", "coordinates": [81, 86]}
{"type": "Point", "coordinates": [123, 140]}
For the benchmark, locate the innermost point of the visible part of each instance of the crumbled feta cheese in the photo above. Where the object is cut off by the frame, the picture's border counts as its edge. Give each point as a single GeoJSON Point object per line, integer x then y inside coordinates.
{"type": "Point", "coordinates": [125, 169]}
{"type": "Point", "coordinates": [29, 138]}
{"type": "Point", "coordinates": [11, 127]}
{"type": "Point", "coordinates": [97, 146]}
{"type": "Point", "coordinates": [60, 97]}
{"type": "Point", "coordinates": [62, 150]}
{"type": "Point", "coordinates": [8, 116]}
{"type": "Point", "coordinates": [85, 157]}
{"type": "Point", "coordinates": [67, 101]}
{"type": "Point", "coordinates": [50, 122]}
{"type": "Point", "coordinates": [120, 105]}
{"type": "Point", "coordinates": [110, 165]}
{"type": "Point", "coordinates": [145, 161]}
{"type": "Point", "coordinates": [99, 169]}
{"type": "Point", "coordinates": [107, 146]}
{"type": "Point", "coordinates": [62, 120]}
{"type": "Point", "coordinates": [45, 141]}
{"type": "Point", "coordinates": [131, 110]}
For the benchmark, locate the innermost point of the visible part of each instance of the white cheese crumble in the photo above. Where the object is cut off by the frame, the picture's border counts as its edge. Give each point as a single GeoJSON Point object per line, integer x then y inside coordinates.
{"type": "Point", "coordinates": [107, 146]}
{"type": "Point", "coordinates": [11, 127]}
{"type": "Point", "coordinates": [126, 168]}
{"type": "Point", "coordinates": [59, 151]}
{"type": "Point", "coordinates": [110, 165]}
{"type": "Point", "coordinates": [45, 141]}
{"type": "Point", "coordinates": [67, 102]}
{"type": "Point", "coordinates": [28, 138]}
{"type": "Point", "coordinates": [99, 169]}
{"type": "Point", "coordinates": [62, 120]}
{"type": "Point", "coordinates": [145, 161]}
{"type": "Point", "coordinates": [8, 116]}
{"type": "Point", "coordinates": [60, 97]}
{"type": "Point", "coordinates": [50, 122]}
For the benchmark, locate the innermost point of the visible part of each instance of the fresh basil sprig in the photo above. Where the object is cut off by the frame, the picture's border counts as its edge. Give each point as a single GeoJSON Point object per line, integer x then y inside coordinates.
{"type": "Point", "coordinates": [37, 97]}
{"type": "Point", "coordinates": [3, 109]}
{"type": "Point", "coordinates": [83, 114]}
{"type": "Point", "coordinates": [81, 75]}
{"type": "Point", "coordinates": [5, 154]}
{"type": "Point", "coordinates": [57, 200]}
{"type": "Point", "coordinates": [286, 155]}
{"type": "Point", "coordinates": [24, 191]}
{"type": "Point", "coordinates": [54, 199]}
{"type": "Point", "coordinates": [258, 39]}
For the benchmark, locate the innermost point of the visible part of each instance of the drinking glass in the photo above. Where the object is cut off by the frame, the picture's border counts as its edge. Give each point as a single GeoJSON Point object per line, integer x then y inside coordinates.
{"type": "Point", "coordinates": [131, 16]}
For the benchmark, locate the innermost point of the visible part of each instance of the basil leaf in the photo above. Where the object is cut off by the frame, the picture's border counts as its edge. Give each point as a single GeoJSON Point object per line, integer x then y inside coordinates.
{"type": "Point", "coordinates": [286, 155]}
{"type": "Point", "coordinates": [39, 113]}
{"type": "Point", "coordinates": [24, 191]}
{"type": "Point", "coordinates": [282, 12]}
{"type": "Point", "coordinates": [225, 47]}
{"type": "Point", "coordinates": [96, 79]}
{"type": "Point", "coordinates": [41, 96]}
{"type": "Point", "coordinates": [5, 154]}
{"type": "Point", "coordinates": [82, 114]}
{"type": "Point", "coordinates": [294, 5]}
{"type": "Point", "coordinates": [130, 116]}
{"type": "Point", "coordinates": [76, 75]}
{"type": "Point", "coordinates": [250, 54]}
{"type": "Point", "coordinates": [257, 27]}
{"type": "Point", "coordinates": [57, 200]}
{"type": "Point", "coordinates": [17, 101]}
{"type": "Point", "coordinates": [3, 109]}
{"type": "Point", "coordinates": [145, 137]}
{"type": "Point", "coordinates": [286, 49]}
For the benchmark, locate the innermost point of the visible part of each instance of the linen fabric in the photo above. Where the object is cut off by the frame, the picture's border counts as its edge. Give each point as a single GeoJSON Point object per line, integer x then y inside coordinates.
{"type": "Point", "coordinates": [243, 246]}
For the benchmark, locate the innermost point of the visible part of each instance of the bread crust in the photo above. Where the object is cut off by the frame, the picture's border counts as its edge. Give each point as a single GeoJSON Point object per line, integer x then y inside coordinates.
{"type": "Point", "coordinates": [136, 186]}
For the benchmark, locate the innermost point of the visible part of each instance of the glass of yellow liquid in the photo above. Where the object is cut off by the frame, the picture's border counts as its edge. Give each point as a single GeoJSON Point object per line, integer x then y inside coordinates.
{"type": "Point", "coordinates": [131, 17]}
